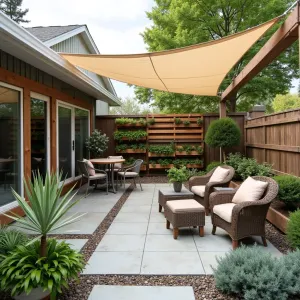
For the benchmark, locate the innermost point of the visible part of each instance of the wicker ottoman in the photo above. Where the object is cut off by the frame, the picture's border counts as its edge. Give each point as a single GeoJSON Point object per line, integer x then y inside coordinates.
{"type": "Point", "coordinates": [185, 213]}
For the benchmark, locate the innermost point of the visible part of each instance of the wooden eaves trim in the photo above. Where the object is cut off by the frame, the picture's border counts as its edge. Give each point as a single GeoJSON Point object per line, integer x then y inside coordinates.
{"type": "Point", "coordinates": [284, 37]}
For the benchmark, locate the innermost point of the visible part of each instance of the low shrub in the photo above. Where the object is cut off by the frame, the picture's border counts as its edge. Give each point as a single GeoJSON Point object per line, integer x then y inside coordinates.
{"type": "Point", "coordinates": [24, 269]}
{"type": "Point", "coordinates": [252, 274]}
{"type": "Point", "coordinates": [194, 172]}
{"type": "Point", "coordinates": [293, 229]}
{"type": "Point", "coordinates": [250, 167]}
{"type": "Point", "coordinates": [289, 190]}
{"type": "Point", "coordinates": [213, 165]}
{"type": "Point", "coordinates": [234, 160]}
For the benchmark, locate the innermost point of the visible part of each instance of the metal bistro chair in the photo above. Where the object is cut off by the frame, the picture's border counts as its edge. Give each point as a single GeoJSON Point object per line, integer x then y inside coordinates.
{"type": "Point", "coordinates": [84, 170]}
{"type": "Point", "coordinates": [132, 172]}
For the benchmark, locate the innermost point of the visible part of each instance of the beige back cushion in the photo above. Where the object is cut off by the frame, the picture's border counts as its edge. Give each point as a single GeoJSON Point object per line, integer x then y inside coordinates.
{"type": "Point", "coordinates": [117, 165]}
{"type": "Point", "coordinates": [90, 167]}
{"type": "Point", "coordinates": [219, 174]}
{"type": "Point", "coordinates": [250, 190]}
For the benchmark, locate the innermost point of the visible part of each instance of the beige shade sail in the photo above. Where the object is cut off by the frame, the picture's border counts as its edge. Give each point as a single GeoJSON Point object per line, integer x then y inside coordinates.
{"type": "Point", "coordinates": [196, 70]}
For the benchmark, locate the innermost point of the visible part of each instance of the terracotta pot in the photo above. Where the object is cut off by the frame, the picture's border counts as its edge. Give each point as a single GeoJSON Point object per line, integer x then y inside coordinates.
{"type": "Point", "coordinates": [177, 186]}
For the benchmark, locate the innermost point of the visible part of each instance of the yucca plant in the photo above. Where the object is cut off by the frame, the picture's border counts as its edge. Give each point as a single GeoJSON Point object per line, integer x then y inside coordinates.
{"type": "Point", "coordinates": [47, 207]}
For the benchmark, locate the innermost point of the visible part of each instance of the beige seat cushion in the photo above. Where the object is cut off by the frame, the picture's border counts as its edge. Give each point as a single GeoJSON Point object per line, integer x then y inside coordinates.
{"type": "Point", "coordinates": [128, 174]}
{"type": "Point", "coordinates": [97, 176]}
{"type": "Point", "coordinates": [198, 190]}
{"type": "Point", "coordinates": [224, 211]}
{"type": "Point", "coordinates": [250, 190]}
{"type": "Point", "coordinates": [188, 205]}
{"type": "Point", "coordinates": [219, 174]}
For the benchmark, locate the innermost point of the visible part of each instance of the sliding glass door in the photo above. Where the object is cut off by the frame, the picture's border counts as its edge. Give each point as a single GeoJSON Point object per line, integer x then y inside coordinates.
{"type": "Point", "coordinates": [72, 131]}
{"type": "Point", "coordinates": [11, 152]}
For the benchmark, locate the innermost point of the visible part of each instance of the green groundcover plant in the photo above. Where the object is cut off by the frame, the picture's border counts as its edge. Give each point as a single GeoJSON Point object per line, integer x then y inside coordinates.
{"type": "Point", "coordinates": [293, 229]}
{"type": "Point", "coordinates": [130, 135]}
{"type": "Point", "coordinates": [162, 149]}
{"type": "Point", "coordinates": [25, 269]}
{"type": "Point", "coordinates": [254, 274]}
{"type": "Point", "coordinates": [289, 190]}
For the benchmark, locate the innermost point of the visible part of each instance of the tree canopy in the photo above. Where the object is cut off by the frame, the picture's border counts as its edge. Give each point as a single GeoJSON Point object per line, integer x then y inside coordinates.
{"type": "Point", "coordinates": [180, 23]}
{"type": "Point", "coordinates": [13, 9]}
{"type": "Point", "coordinates": [285, 102]}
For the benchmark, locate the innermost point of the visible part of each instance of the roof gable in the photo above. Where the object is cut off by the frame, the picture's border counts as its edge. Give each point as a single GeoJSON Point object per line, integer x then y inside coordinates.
{"type": "Point", "coordinates": [50, 32]}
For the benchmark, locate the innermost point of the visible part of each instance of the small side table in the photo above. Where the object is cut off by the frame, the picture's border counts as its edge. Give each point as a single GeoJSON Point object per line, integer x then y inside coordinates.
{"type": "Point", "coordinates": [168, 194]}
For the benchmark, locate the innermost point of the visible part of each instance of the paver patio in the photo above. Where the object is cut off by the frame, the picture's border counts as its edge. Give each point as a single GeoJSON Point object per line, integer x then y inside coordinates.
{"type": "Point", "coordinates": [138, 242]}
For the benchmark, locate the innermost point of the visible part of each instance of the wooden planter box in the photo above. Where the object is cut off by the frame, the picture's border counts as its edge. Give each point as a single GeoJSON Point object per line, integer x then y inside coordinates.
{"type": "Point", "coordinates": [143, 167]}
{"type": "Point", "coordinates": [158, 166]}
{"type": "Point", "coordinates": [132, 151]}
{"type": "Point", "coordinates": [194, 166]}
{"type": "Point", "coordinates": [153, 154]}
{"type": "Point", "coordinates": [194, 153]}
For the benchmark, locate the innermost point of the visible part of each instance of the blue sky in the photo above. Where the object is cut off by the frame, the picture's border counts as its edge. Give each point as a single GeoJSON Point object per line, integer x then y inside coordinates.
{"type": "Point", "coordinates": [115, 25]}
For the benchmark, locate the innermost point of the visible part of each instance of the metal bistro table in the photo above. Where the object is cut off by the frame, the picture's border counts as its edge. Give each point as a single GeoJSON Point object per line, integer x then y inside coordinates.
{"type": "Point", "coordinates": [111, 166]}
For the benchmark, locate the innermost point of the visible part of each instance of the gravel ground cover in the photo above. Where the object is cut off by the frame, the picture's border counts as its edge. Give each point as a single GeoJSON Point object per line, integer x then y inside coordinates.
{"type": "Point", "coordinates": [203, 285]}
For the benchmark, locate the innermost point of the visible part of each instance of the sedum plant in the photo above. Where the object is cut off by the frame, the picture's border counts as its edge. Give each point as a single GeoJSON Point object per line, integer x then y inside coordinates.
{"type": "Point", "coordinates": [24, 269]}
{"type": "Point", "coordinates": [47, 209]}
{"type": "Point", "coordinates": [97, 143]}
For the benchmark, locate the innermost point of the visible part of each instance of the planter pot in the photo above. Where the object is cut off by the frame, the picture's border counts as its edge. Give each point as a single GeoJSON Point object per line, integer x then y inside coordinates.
{"type": "Point", "coordinates": [35, 294]}
{"type": "Point", "coordinates": [177, 186]}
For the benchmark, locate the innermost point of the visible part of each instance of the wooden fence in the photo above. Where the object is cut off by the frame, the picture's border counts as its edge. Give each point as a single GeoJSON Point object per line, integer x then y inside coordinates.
{"type": "Point", "coordinates": [275, 139]}
{"type": "Point", "coordinates": [107, 125]}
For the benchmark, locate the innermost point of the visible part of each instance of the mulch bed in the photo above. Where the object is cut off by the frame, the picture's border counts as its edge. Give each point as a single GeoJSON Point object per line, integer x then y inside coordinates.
{"type": "Point", "coordinates": [203, 285]}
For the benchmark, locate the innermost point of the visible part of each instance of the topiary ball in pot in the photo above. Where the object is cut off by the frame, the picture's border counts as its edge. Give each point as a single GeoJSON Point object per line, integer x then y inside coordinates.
{"type": "Point", "coordinates": [223, 133]}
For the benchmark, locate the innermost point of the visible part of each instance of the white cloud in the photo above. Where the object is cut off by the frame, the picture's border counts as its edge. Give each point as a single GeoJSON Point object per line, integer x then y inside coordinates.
{"type": "Point", "coordinates": [115, 25]}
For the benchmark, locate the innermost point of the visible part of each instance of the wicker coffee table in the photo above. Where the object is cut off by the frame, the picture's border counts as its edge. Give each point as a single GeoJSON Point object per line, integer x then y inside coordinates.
{"type": "Point", "coordinates": [167, 194]}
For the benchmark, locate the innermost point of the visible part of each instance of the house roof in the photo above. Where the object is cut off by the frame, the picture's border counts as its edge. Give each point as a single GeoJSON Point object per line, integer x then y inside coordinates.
{"type": "Point", "coordinates": [48, 33]}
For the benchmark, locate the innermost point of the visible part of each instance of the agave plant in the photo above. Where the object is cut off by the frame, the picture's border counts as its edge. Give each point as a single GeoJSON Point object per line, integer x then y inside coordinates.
{"type": "Point", "coordinates": [47, 209]}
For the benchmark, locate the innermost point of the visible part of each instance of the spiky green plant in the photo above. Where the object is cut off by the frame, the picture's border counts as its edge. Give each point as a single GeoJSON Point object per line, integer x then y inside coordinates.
{"type": "Point", "coordinates": [47, 209]}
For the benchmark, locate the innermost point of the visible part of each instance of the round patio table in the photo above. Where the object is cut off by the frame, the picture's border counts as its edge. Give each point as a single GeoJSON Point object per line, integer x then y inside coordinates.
{"type": "Point", "coordinates": [111, 166]}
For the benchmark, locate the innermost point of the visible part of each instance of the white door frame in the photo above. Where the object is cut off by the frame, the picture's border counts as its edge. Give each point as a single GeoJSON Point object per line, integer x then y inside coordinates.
{"type": "Point", "coordinates": [14, 204]}
{"type": "Point", "coordinates": [72, 108]}
{"type": "Point", "coordinates": [47, 100]}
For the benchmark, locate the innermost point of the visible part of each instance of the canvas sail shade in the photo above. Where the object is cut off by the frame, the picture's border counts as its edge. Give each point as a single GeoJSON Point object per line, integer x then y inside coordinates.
{"type": "Point", "coordinates": [197, 69]}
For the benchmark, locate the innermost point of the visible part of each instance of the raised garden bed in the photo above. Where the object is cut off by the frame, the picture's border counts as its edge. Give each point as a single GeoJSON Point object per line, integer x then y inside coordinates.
{"type": "Point", "coordinates": [152, 154]}
{"type": "Point", "coordinates": [192, 153]}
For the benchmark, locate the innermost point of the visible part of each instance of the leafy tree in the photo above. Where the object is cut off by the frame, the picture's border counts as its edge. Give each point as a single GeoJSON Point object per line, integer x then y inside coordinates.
{"type": "Point", "coordinates": [12, 8]}
{"type": "Point", "coordinates": [285, 102]}
{"type": "Point", "coordinates": [180, 23]}
{"type": "Point", "coordinates": [130, 106]}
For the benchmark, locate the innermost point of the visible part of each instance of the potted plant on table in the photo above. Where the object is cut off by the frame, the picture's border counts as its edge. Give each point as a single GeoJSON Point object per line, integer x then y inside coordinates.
{"type": "Point", "coordinates": [96, 143]}
{"type": "Point", "coordinates": [177, 177]}
{"type": "Point", "coordinates": [42, 266]}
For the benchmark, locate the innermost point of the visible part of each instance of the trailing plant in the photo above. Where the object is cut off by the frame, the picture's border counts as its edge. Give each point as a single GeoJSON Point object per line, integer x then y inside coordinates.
{"type": "Point", "coordinates": [223, 133]}
{"type": "Point", "coordinates": [292, 230]}
{"type": "Point", "coordinates": [289, 190]}
{"type": "Point", "coordinates": [123, 147]}
{"type": "Point", "coordinates": [186, 123]}
{"type": "Point", "coordinates": [199, 121]}
{"type": "Point", "coordinates": [164, 162]}
{"type": "Point", "coordinates": [97, 143]}
{"type": "Point", "coordinates": [178, 121]}
{"type": "Point", "coordinates": [10, 239]}
{"type": "Point", "coordinates": [130, 121]}
{"type": "Point", "coordinates": [177, 175]}
{"type": "Point", "coordinates": [252, 274]}
{"type": "Point", "coordinates": [213, 165]}
{"type": "Point", "coordinates": [162, 149]}
{"type": "Point", "coordinates": [25, 269]}
{"type": "Point", "coordinates": [250, 167]}
{"type": "Point", "coordinates": [130, 135]}
{"type": "Point", "coordinates": [47, 209]}
{"type": "Point", "coordinates": [151, 121]}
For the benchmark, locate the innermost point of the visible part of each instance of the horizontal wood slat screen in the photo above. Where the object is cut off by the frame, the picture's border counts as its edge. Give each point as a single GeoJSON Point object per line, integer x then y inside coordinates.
{"type": "Point", "coordinates": [275, 139]}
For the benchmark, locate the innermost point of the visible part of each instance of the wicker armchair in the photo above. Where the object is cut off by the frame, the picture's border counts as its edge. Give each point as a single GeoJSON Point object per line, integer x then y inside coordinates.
{"type": "Point", "coordinates": [209, 186]}
{"type": "Point", "coordinates": [248, 218]}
